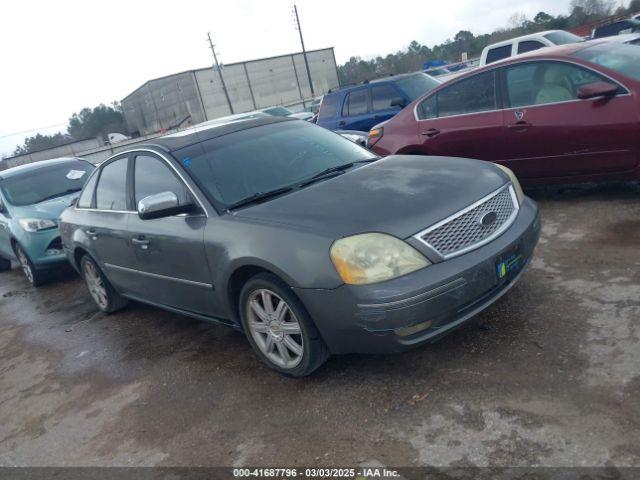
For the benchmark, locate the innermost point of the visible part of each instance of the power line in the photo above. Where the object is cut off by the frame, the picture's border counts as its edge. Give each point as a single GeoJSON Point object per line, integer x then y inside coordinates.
{"type": "Point", "coordinates": [32, 130]}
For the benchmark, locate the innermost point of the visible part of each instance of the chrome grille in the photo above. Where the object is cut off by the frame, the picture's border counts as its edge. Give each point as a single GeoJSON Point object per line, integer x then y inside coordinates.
{"type": "Point", "coordinates": [464, 231]}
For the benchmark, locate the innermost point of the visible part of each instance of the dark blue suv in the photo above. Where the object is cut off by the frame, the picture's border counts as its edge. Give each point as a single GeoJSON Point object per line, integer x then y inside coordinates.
{"type": "Point", "coordinates": [360, 107]}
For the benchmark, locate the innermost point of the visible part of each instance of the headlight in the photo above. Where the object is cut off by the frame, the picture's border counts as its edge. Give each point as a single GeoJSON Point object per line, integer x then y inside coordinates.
{"type": "Point", "coordinates": [36, 224]}
{"type": "Point", "coordinates": [514, 181]}
{"type": "Point", "coordinates": [374, 257]}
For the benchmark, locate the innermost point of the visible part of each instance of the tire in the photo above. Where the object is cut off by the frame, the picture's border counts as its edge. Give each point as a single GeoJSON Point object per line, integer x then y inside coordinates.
{"type": "Point", "coordinates": [102, 292]}
{"type": "Point", "coordinates": [34, 276]}
{"type": "Point", "coordinates": [283, 337]}
{"type": "Point", "coordinates": [5, 265]}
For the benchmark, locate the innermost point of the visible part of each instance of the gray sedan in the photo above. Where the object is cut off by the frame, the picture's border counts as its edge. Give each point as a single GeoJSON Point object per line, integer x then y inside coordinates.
{"type": "Point", "coordinates": [305, 241]}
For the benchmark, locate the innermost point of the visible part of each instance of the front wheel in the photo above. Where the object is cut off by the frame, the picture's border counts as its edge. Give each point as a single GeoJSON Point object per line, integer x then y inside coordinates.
{"type": "Point", "coordinates": [279, 328]}
{"type": "Point", "coordinates": [34, 276]}
{"type": "Point", "coordinates": [102, 292]}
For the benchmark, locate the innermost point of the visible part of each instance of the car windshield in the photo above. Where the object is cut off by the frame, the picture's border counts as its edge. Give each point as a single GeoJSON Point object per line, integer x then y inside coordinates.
{"type": "Point", "coordinates": [416, 85]}
{"type": "Point", "coordinates": [621, 58]}
{"type": "Point", "coordinates": [238, 165]}
{"type": "Point", "coordinates": [40, 184]}
{"type": "Point", "coordinates": [278, 111]}
{"type": "Point", "coordinates": [562, 37]}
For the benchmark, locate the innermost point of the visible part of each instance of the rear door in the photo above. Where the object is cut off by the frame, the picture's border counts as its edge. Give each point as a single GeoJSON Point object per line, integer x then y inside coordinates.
{"type": "Point", "coordinates": [105, 223]}
{"type": "Point", "coordinates": [382, 96]}
{"type": "Point", "coordinates": [463, 119]}
{"type": "Point", "coordinates": [549, 132]}
{"type": "Point", "coordinates": [356, 111]}
{"type": "Point", "coordinates": [168, 257]}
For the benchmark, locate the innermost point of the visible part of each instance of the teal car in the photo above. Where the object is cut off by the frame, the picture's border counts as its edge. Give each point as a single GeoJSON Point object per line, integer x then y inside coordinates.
{"type": "Point", "coordinates": [32, 197]}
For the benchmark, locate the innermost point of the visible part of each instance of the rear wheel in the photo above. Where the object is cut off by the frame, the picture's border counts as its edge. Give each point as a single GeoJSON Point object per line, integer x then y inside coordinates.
{"type": "Point", "coordinates": [34, 276]}
{"type": "Point", "coordinates": [279, 328]}
{"type": "Point", "coordinates": [102, 292]}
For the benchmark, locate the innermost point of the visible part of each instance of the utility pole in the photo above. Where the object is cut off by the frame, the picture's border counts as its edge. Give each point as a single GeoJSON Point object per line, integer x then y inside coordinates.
{"type": "Point", "coordinates": [217, 67]}
{"type": "Point", "coordinates": [304, 51]}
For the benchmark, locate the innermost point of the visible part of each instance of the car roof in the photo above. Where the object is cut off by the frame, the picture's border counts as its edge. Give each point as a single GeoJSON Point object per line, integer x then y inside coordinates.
{"type": "Point", "coordinates": [213, 129]}
{"type": "Point", "coordinates": [375, 81]}
{"type": "Point", "coordinates": [522, 37]}
{"type": "Point", "coordinates": [28, 167]}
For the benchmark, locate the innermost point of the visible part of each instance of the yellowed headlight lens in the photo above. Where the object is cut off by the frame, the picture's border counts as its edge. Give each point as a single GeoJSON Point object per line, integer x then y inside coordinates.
{"type": "Point", "coordinates": [374, 257]}
{"type": "Point", "coordinates": [514, 181]}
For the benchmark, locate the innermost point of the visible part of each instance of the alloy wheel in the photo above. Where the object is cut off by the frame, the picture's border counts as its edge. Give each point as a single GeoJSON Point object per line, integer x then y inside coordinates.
{"type": "Point", "coordinates": [274, 328]}
{"type": "Point", "coordinates": [95, 285]}
{"type": "Point", "coordinates": [24, 263]}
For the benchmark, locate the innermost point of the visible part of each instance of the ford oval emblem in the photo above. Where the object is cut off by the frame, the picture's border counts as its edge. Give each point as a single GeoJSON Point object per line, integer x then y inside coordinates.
{"type": "Point", "coordinates": [488, 219]}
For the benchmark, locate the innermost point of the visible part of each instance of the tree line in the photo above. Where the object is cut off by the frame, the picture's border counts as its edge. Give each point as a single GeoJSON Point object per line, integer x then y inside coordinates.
{"type": "Point", "coordinates": [413, 58]}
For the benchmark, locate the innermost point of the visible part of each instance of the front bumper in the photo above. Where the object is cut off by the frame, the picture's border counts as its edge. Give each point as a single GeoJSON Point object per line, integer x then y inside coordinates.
{"type": "Point", "coordinates": [380, 318]}
{"type": "Point", "coordinates": [44, 248]}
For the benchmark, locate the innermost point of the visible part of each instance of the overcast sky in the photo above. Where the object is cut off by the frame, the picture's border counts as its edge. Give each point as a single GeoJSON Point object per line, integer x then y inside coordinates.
{"type": "Point", "coordinates": [58, 57]}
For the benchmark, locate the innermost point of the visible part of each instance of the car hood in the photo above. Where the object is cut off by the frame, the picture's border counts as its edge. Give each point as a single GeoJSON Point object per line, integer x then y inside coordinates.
{"type": "Point", "coordinates": [400, 195]}
{"type": "Point", "coordinates": [48, 210]}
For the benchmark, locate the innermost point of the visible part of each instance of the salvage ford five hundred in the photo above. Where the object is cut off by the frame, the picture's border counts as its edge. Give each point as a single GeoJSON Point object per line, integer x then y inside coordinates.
{"type": "Point", "coordinates": [305, 241]}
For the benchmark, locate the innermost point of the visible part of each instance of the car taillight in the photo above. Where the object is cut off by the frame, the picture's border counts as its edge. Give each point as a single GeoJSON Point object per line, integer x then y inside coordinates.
{"type": "Point", "coordinates": [375, 134]}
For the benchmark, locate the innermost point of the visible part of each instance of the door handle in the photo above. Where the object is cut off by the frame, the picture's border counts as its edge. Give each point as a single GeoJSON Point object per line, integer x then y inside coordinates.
{"type": "Point", "coordinates": [143, 242]}
{"type": "Point", "coordinates": [432, 132]}
{"type": "Point", "coordinates": [519, 126]}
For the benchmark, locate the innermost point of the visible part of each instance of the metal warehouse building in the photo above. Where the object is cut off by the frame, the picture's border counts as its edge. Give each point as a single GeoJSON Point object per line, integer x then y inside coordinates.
{"type": "Point", "coordinates": [195, 96]}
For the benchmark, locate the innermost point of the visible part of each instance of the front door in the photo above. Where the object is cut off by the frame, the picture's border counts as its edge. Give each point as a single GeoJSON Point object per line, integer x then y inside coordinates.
{"type": "Point", "coordinates": [168, 256]}
{"type": "Point", "coordinates": [549, 132]}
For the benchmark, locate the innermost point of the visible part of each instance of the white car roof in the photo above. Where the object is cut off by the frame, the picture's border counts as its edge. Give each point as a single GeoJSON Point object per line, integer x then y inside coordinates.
{"type": "Point", "coordinates": [522, 37]}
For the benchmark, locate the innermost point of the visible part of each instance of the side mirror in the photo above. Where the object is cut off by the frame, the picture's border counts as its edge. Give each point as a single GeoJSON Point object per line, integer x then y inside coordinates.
{"type": "Point", "coordinates": [597, 89]}
{"type": "Point", "coordinates": [398, 102]}
{"type": "Point", "coordinates": [160, 205]}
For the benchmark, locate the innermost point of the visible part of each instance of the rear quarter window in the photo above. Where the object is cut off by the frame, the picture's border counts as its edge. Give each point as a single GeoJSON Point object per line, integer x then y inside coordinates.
{"type": "Point", "coordinates": [498, 53]}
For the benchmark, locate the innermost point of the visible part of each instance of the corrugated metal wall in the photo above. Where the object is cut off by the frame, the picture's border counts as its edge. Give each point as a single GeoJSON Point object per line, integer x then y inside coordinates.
{"type": "Point", "coordinates": [161, 103]}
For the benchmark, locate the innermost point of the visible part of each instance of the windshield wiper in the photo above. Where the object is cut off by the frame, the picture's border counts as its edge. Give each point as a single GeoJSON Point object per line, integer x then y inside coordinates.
{"type": "Point", "coordinates": [335, 171]}
{"type": "Point", "coordinates": [256, 197]}
{"type": "Point", "coordinates": [60, 194]}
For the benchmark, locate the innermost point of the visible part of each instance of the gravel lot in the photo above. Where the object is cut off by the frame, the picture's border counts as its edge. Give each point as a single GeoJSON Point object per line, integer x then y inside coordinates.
{"type": "Point", "coordinates": [550, 375]}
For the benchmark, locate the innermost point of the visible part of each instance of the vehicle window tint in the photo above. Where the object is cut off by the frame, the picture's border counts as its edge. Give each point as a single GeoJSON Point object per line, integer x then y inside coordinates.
{"type": "Point", "coordinates": [152, 176]}
{"type": "Point", "coordinates": [529, 46]}
{"type": "Point", "coordinates": [537, 83]}
{"type": "Point", "coordinates": [240, 164]}
{"type": "Point", "coordinates": [329, 106]}
{"type": "Point", "coordinates": [86, 197]}
{"type": "Point", "coordinates": [382, 95]}
{"type": "Point", "coordinates": [356, 103]}
{"type": "Point", "coordinates": [428, 108]}
{"type": "Point", "coordinates": [111, 193]}
{"type": "Point", "coordinates": [624, 59]}
{"type": "Point", "coordinates": [471, 95]}
{"type": "Point", "coordinates": [498, 53]}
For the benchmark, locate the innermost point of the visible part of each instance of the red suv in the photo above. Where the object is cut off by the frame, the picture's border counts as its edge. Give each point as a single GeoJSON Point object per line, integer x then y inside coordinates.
{"type": "Point", "coordinates": [567, 113]}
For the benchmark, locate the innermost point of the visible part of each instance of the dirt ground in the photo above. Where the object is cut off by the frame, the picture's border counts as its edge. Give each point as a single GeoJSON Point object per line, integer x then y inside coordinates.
{"type": "Point", "coordinates": [549, 375]}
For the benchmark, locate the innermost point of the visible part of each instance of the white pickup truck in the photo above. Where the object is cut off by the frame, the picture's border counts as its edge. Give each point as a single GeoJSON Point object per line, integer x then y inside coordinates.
{"type": "Point", "coordinates": [526, 43]}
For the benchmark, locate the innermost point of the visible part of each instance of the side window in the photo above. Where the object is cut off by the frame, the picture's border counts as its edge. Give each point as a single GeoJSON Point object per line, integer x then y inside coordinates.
{"type": "Point", "coordinates": [111, 193]}
{"type": "Point", "coordinates": [538, 83]}
{"type": "Point", "coordinates": [471, 95]}
{"type": "Point", "coordinates": [428, 108]}
{"type": "Point", "coordinates": [529, 46]}
{"type": "Point", "coordinates": [153, 176]}
{"type": "Point", "coordinates": [86, 197]}
{"type": "Point", "coordinates": [356, 103]}
{"type": "Point", "coordinates": [329, 106]}
{"type": "Point", "coordinates": [382, 96]}
{"type": "Point", "coordinates": [498, 53]}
